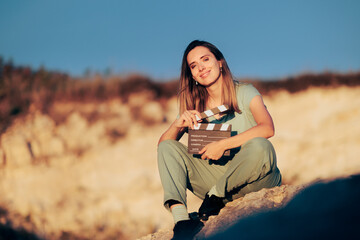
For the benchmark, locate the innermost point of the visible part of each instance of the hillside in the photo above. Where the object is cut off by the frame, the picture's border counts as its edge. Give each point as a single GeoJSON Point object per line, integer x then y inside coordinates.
{"type": "Point", "coordinates": [82, 168]}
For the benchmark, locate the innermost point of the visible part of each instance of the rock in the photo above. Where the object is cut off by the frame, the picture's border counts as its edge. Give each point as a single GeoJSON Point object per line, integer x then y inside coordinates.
{"type": "Point", "coordinates": [326, 210]}
{"type": "Point", "coordinates": [159, 235]}
{"type": "Point", "coordinates": [151, 113]}
{"type": "Point", "coordinates": [16, 149]}
{"type": "Point", "coordinates": [75, 196]}
{"type": "Point", "coordinates": [252, 203]}
{"type": "Point", "coordinates": [172, 109]}
{"type": "Point", "coordinates": [47, 145]}
{"type": "Point", "coordinates": [30, 139]}
{"type": "Point", "coordinates": [44, 142]}
{"type": "Point", "coordinates": [136, 100]}
{"type": "Point", "coordinates": [74, 132]}
{"type": "Point", "coordinates": [145, 109]}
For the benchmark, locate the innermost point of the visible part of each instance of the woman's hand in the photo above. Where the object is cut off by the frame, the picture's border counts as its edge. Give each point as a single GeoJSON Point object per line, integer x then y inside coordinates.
{"type": "Point", "coordinates": [187, 119]}
{"type": "Point", "coordinates": [213, 151]}
{"type": "Point", "coordinates": [177, 128]}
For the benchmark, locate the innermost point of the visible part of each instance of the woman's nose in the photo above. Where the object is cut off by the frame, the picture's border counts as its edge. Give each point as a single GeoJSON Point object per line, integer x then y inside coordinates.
{"type": "Point", "coordinates": [201, 67]}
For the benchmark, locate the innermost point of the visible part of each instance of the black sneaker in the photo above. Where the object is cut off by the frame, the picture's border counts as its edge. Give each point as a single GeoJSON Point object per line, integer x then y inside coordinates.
{"type": "Point", "coordinates": [210, 206]}
{"type": "Point", "coordinates": [187, 229]}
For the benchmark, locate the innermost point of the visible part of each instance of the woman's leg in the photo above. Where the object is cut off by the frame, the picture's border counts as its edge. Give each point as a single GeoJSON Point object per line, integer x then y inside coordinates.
{"type": "Point", "coordinates": [251, 169]}
{"type": "Point", "coordinates": [175, 167]}
{"type": "Point", "coordinates": [179, 170]}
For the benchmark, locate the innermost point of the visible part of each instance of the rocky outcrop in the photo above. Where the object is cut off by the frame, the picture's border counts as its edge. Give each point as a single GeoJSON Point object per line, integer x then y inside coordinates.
{"type": "Point", "coordinates": [31, 139]}
{"type": "Point", "coordinates": [145, 109]}
{"type": "Point", "coordinates": [323, 210]}
{"type": "Point", "coordinates": [89, 169]}
{"type": "Point", "coordinates": [326, 210]}
{"type": "Point", "coordinates": [253, 203]}
{"type": "Point", "coordinates": [40, 138]}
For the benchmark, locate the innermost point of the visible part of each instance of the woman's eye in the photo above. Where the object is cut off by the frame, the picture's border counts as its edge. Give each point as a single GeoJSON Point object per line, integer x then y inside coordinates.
{"type": "Point", "coordinates": [192, 66]}
{"type": "Point", "coordinates": [206, 59]}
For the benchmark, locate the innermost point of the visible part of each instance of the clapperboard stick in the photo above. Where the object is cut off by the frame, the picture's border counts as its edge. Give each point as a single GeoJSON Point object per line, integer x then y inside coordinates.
{"type": "Point", "coordinates": [212, 112]}
{"type": "Point", "coordinates": [212, 126]}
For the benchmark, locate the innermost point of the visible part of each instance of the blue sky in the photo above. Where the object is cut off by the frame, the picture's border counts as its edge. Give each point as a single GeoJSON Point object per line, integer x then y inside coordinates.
{"type": "Point", "coordinates": [265, 39]}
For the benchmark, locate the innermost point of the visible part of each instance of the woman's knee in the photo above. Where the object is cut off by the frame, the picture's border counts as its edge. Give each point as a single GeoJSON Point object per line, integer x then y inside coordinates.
{"type": "Point", "coordinates": [166, 144]}
{"type": "Point", "coordinates": [170, 145]}
{"type": "Point", "coordinates": [164, 148]}
{"type": "Point", "coordinates": [262, 150]}
{"type": "Point", "coordinates": [170, 149]}
{"type": "Point", "coordinates": [259, 144]}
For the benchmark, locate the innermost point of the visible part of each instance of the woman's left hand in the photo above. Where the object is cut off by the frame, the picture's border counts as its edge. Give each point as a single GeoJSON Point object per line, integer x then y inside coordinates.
{"type": "Point", "coordinates": [213, 151]}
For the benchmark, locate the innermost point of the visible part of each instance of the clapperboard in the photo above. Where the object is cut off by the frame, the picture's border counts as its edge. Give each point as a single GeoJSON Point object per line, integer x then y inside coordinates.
{"type": "Point", "coordinates": [205, 133]}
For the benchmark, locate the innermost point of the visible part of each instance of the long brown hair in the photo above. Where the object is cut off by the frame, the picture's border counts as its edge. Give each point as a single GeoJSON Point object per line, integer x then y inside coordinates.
{"type": "Point", "coordinates": [192, 96]}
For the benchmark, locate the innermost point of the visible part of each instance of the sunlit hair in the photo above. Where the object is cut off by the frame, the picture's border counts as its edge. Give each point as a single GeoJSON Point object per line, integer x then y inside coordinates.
{"type": "Point", "coordinates": [192, 96]}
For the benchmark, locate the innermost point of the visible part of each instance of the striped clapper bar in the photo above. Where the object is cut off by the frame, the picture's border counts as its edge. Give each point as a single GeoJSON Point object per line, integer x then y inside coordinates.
{"type": "Point", "coordinates": [205, 133]}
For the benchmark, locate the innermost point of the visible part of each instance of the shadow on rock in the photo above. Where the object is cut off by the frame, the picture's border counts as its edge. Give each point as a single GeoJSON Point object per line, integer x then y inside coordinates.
{"type": "Point", "coordinates": [326, 210]}
{"type": "Point", "coordinates": [7, 233]}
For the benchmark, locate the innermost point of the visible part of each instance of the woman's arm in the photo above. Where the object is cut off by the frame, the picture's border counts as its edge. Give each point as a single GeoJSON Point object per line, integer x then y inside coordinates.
{"type": "Point", "coordinates": [177, 128]}
{"type": "Point", "coordinates": [264, 128]}
{"type": "Point", "coordinates": [172, 132]}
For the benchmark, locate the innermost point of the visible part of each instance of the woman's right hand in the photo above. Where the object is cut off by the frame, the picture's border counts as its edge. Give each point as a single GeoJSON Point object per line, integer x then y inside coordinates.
{"type": "Point", "coordinates": [177, 128]}
{"type": "Point", "coordinates": [188, 119]}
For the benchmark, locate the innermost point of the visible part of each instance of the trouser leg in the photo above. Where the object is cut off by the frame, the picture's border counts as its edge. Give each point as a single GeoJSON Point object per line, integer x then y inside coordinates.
{"type": "Point", "coordinates": [251, 169]}
{"type": "Point", "coordinates": [179, 170]}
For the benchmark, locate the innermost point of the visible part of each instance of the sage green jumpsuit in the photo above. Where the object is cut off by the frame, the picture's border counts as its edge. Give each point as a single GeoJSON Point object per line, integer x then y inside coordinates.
{"type": "Point", "coordinates": [250, 167]}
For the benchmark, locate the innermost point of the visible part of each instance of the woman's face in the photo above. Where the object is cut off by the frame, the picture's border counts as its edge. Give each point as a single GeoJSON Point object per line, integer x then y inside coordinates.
{"type": "Point", "coordinates": [204, 66]}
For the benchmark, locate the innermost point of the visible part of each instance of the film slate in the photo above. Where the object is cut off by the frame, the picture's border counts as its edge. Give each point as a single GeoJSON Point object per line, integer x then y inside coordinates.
{"type": "Point", "coordinates": [205, 133]}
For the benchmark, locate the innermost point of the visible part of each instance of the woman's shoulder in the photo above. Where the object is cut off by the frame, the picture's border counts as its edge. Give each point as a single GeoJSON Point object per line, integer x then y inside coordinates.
{"type": "Point", "coordinates": [245, 92]}
{"type": "Point", "coordinates": [244, 87]}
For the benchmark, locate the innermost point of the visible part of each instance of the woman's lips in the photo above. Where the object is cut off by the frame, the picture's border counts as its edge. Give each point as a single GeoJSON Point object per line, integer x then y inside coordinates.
{"type": "Point", "coordinates": [205, 74]}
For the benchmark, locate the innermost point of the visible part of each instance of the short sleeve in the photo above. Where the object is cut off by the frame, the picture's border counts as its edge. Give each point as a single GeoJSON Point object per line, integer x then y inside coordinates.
{"type": "Point", "coordinates": [245, 93]}
{"type": "Point", "coordinates": [249, 93]}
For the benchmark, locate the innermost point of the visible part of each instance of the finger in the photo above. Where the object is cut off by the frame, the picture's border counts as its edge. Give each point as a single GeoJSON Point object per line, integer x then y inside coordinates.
{"type": "Point", "coordinates": [183, 121]}
{"type": "Point", "coordinates": [193, 116]}
{"type": "Point", "coordinates": [194, 119]}
{"type": "Point", "coordinates": [203, 150]}
{"type": "Point", "coordinates": [197, 114]}
{"type": "Point", "coordinates": [189, 123]}
{"type": "Point", "coordinates": [188, 120]}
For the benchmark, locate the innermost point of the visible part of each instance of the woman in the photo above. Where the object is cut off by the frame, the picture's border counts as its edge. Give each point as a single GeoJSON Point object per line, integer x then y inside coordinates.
{"type": "Point", "coordinates": [206, 82]}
